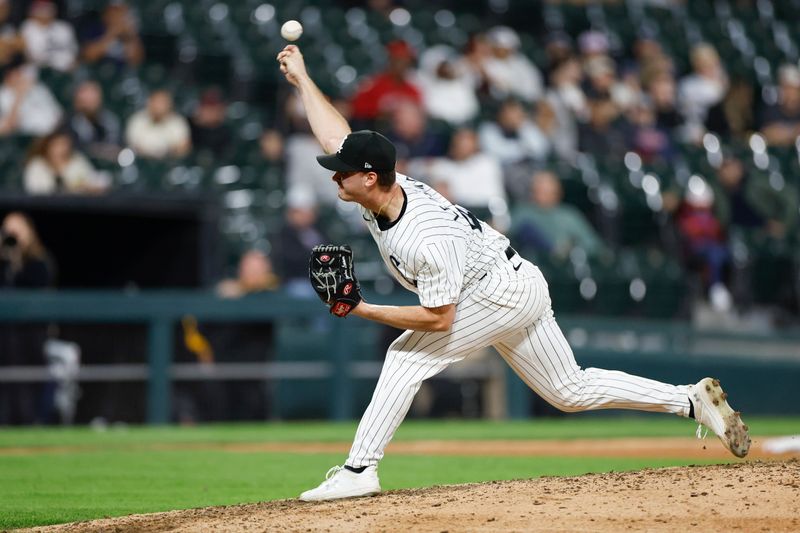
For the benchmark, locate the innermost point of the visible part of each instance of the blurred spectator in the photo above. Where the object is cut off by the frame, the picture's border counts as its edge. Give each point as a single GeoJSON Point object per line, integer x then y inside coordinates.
{"type": "Point", "coordinates": [557, 49]}
{"type": "Point", "coordinates": [384, 91]}
{"type": "Point", "coordinates": [448, 90]}
{"type": "Point", "coordinates": [704, 240]}
{"type": "Point", "coordinates": [472, 61]}
{"type": "Point", "coordinates": [662, 92]}
{"type": "Point", "coordinates": [11, 42]}
{"type": "Point", "coordinates": [780, 122]}
{"type": "Point", "coordinates": [95, 128]}
{"type": "Point", "coordinates": [209, 130]}
{"type": "Point", "coordinates": [301, 149]}
{"type": "Point", "coordinates": [254, 275]}
{"type": "Point", "coordinates": [733, 116]}
{"type": "Point", "coordinates": [509, 72]}
{"type": "Point", "coordinates": [604, 135]}
{"type": "Point", "coordinates": [411, 136]}
{"type": "Point", "coordinates": [54, 166]}
{"type": "Point", "coordinates": [593, 44]}
{"type": "Point", "coordinates": [472, 178]}
{"type": "Point", "coordinates": [114, 36]}
{"type": "Point", "coordinates": [49, 42]}
{"type": "Point", "coordinates": [750, 202]}
{"type": "Point", "coordinates": [702, 89]}
{"type": "Point", "coordinates": [272, 159]}
{"type": "Point", "coordinates": [27, 107]}
{"type": "Point", "coordinates": [645, 137]}
{"type": "Point", "coordinates": [299, 233]}
{"type": "Point", "coordinates": [158, 132]}
{"type": "Point", "coordinates": [24, 264]}
{"type": "Point", "coordinates": [600, 77]}
{"type": "Point", "coordinates": [648, 54]}
{"type": "Point", "coordinates": [568, 103]}
{"type": "Point", "coordinates": [549, 225]}
{"type": "Point", "coordinates": [513, 138]}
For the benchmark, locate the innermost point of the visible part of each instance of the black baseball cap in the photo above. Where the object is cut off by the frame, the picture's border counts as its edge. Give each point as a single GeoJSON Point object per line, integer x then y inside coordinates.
{"type": "Point", "coordinates": [361, 151]}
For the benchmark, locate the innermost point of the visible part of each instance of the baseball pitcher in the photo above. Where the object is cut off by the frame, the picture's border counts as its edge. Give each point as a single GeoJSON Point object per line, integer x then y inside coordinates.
{"type": "Point", "coordinates": [474, 291]}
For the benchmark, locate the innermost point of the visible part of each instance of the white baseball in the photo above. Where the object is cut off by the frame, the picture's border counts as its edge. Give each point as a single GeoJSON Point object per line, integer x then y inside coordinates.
{"type": "Point", "coordinates": [291, 30]}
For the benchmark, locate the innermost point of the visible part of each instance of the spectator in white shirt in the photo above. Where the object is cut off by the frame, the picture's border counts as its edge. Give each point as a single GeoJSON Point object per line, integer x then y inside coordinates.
{"type": "Point", "coordinates": [471, 178]}
{"type": "Point", "coordinates": [514, 137]}
{"type": "Point", "coordinates": [702, 89]}
{"type": "Point", "coordinates": [56, 167]}
{"type": "Point", "coordinates": [448, 91]}
{"type": "Point", "coordinates": [49, 42]}
{"type": "Point", "coordinates": [26, 106]}
{"type": "Point", "coordinates": [158, 132]}
{"type": "Point", "coordinates": [510, 73]}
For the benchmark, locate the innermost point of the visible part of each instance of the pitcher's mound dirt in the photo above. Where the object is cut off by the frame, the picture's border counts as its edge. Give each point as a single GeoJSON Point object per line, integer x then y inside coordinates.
{"type": "Point", "coordinates": [750, 496]}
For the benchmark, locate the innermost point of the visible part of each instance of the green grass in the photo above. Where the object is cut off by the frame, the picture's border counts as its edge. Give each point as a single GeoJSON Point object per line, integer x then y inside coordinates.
{"type": "Point", "coordinates": [114, 473]}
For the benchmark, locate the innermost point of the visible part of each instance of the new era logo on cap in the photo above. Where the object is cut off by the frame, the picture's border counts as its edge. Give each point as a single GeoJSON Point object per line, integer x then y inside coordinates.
{"type": "Point", "coordinates": [360, 151]}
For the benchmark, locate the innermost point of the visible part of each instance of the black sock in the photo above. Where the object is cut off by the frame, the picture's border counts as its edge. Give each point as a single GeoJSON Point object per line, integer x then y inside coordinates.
{"type": "Point", "coordinates": [357, 470]}
{"type": "Point", "coordinates": [691, 409]}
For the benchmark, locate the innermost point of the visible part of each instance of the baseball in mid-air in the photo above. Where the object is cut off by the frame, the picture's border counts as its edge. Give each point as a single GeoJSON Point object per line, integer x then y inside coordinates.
{"type": "Point", "coordinates": [291, 30]}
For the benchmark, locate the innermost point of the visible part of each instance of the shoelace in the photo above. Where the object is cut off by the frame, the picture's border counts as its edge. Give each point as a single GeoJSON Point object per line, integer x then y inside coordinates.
{"type": "Point", "coordinates": [699, 433]}
{"type": "Point", "coordinates": [331, 473]}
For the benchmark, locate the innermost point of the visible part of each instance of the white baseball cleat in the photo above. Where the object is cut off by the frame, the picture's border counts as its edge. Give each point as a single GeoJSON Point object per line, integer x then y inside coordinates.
{"type": "Point", "coordinates": [343, 483]}
{"type": "Point", "coordinates": [711, 409]}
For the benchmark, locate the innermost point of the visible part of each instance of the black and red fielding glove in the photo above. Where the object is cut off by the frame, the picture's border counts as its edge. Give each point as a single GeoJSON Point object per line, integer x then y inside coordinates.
{"type": "Point", "coordinates": [331, 273]}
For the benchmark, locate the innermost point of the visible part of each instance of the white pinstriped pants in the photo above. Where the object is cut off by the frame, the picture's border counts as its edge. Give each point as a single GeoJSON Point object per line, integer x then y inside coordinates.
{"type": "Point", "coordinates": [510, 310]}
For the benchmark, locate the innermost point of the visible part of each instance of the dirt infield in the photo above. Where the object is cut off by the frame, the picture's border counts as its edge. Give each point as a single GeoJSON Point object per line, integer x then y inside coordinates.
{"type": "Point", "coordinates": [748, 496]}
{"type": "Point", "coordinates": [654, 447]}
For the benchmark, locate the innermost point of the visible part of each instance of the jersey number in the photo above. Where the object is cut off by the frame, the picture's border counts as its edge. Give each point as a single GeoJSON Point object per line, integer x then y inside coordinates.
{"type": "Point", "coordinates": [471, 219]}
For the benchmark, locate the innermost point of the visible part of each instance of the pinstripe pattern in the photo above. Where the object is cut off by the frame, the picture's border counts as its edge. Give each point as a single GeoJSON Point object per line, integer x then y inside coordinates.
{"type": "Point", "coordinates": [445, 259]}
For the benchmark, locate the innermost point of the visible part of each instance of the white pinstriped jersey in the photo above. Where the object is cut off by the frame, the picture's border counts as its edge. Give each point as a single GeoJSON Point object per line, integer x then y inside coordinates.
{"type": "Point", "coordinates": [435, 248]}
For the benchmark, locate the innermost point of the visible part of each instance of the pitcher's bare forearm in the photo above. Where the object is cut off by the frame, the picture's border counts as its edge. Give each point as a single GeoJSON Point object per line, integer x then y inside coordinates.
{"type": "Point", "coordinates": [327, 124]}
{"type": "Point", "coordinates": [413, 317]}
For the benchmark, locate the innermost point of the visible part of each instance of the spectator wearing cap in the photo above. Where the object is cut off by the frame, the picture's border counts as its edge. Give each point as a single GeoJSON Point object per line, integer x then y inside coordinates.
{"type": "Point", "coordinates": [209, 130]}
{"type": "Point", "coordinates": [158, 132]}
{"type": "Point", "coordinates": [113, 36]}
{"type": "Point", "coordinates": [381, 93]}
{"type": "Point", "coordinates": [702, 89]}
{"type": "Point", "coordinates": [472, 178]}
{"type": "Point", "coordinates": [11, 42]}
{"type": "Point", "coordinates": [27, 107]}
{"type": "Point", "coordinates": [49, 42]}
{"type": "Point", "coordinates": [447, 89]}
{"type": "Point", "coordinates": [704, 240]}
{"type": "Point", "coordinates": [593, 44]}
{"type": "Point", "coordinates": [780, 122]}
{"type": "Point", "coordinates": [513, 137]}
{"type": "Point", "coordinates": [509, 72]}
{"type": "Point", "coordinates": [96, 130]}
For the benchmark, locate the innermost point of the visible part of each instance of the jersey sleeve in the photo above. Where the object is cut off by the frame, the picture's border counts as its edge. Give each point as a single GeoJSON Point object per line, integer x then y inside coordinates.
{"type": "Point", "coordinates": [441, 274]}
